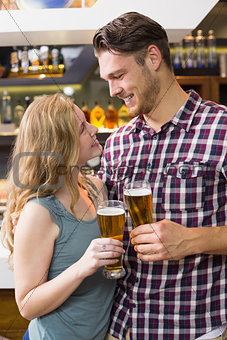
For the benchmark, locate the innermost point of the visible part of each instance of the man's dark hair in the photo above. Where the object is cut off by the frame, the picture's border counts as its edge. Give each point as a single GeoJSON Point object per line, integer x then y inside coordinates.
{"type": "Point", "coordinates": [132, 33]}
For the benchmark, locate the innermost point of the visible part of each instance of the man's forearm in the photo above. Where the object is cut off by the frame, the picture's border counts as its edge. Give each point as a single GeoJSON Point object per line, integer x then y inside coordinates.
{"type": "Point", "coordinates": [212, 240]}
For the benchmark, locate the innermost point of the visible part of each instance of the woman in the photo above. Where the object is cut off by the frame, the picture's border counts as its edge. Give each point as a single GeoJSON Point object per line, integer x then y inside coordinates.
{"type": "Point", "coordinates": [56, 245]}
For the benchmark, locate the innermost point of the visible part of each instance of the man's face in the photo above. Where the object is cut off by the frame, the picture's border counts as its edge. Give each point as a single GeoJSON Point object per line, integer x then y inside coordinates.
{"type": "Point", "coordinates": [137, 85]}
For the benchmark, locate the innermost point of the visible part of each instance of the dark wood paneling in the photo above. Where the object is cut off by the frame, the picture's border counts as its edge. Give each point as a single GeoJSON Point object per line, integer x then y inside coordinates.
{"type": "Point", "coordinates": [12, 325]}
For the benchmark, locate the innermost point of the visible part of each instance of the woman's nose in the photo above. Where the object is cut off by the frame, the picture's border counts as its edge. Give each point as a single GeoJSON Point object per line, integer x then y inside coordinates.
{"type": "Point", "coordinates": [93, 130]}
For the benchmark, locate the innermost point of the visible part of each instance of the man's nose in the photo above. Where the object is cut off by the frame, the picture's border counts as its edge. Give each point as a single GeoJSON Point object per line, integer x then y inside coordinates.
{"type": "Point", "coordinates": [114, 90]}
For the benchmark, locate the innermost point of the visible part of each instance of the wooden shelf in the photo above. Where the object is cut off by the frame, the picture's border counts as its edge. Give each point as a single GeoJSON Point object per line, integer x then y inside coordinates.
{"type": "Point", "coordinates": [216, 83]}
{"type": "Point", "coordinates": [208, 87]}
{"type": "Point", "coordinates": [36, 75]}
{"type": "Point", "coordinates": [202, 84]}
{"type": "Point", "coordinates": [12, 325]}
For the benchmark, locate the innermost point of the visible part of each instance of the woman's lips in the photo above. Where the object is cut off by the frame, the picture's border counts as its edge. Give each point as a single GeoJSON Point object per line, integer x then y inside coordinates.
{"type": "Point", "coordinates": [95, 143]}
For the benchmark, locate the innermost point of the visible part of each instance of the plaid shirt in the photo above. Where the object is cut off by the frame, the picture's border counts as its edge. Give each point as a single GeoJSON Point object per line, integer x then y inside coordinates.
{"type": "Point", "coordinates": [185, 163]}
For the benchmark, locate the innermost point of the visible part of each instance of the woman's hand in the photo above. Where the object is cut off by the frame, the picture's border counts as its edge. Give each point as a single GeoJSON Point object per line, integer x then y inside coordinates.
{"type": "Point", "coordinates": [101, 252]}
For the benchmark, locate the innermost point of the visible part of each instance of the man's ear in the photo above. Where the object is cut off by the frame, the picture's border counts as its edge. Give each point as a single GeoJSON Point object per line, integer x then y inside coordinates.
{"type": "Point", "coordinates": [154, 56]}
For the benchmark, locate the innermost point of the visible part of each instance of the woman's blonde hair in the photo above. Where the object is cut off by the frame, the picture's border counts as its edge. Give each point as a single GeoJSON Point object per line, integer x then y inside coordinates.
{"type": "Point", "coordinates": [46, 148]}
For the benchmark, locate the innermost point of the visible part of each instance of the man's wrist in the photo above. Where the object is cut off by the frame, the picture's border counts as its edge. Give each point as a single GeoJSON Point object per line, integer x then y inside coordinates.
{"type": "Point", "coordinates": [210, 240]}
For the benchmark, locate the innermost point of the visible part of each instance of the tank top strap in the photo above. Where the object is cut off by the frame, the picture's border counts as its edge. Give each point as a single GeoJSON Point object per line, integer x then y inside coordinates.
{"type": "Point", "coordinates": [56, 210]}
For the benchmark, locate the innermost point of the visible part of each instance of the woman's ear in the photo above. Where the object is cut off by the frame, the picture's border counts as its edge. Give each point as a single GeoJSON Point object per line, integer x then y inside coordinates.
{"type": "Point", "coordinates": [154, 56]}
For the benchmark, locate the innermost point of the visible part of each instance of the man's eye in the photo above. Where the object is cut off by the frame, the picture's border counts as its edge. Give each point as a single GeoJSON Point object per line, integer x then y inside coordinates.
{"type": "Point", "coordinates": [120, 75]}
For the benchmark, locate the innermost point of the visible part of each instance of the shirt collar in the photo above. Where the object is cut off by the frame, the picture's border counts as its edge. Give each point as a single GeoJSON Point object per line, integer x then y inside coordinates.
{"type": "Point", "coordinates": [185, 115]}
{"type": "Point", "coordinates": [140, 124]}
{"type": "Point", "coordinates": [183, 118]}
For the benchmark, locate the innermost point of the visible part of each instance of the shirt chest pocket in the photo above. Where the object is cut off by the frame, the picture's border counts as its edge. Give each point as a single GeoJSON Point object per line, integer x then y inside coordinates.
{"type": "Point", "coordinates": [183, 186]}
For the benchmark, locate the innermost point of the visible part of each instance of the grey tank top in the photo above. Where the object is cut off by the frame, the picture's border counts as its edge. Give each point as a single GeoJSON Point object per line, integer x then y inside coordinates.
{"type": "Point", "coordinates": [85, 314]}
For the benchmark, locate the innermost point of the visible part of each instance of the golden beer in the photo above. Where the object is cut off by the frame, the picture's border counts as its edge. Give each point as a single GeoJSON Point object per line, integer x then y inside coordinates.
{"type": "Point", "coordinates": [139, 203]}
{"type": "Point", "coordinates": [111, 220]}
{"type": "Point", "coordinates": [111, 224]}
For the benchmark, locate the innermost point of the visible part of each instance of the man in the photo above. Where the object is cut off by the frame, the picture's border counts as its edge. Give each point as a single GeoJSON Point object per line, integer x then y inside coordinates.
{"type": "Point", "coordinates": [176, 282]}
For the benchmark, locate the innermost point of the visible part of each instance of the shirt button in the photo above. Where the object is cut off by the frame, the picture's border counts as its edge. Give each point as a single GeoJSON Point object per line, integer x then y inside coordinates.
{"type": "Point", "coordinates": [155, 137]}
{"type": "Point", "coordinates": [137, 280]}
{"type": "Point", "coordinates": [183, 174]}
{"type": "Point", "coordinates": [133, 305]}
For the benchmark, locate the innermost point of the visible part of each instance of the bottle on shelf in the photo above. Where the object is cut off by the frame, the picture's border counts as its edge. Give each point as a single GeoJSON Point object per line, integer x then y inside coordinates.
{"type": "Point", "coordinates": [212, 54]}
{"type": "Point", "coordinates": [178, 55]}
{"type": "Point", "coordinates": [55, 59]}
{"type": "Point", "coordinates": [25, 60]}
{"type": "Point", "coordinates": [18, 113]}
{"type": "Point", "coordinates": [44, 58]}
{"type": "Point", "coordinates": [123, 115]}
{"type": "Point", "coordinates": [86, 111]}
{"type": "Point", "coordinates": [200, 49]}
{"type": "Point", "coordinates": [34, 60]}
{"type": "Point", "coordinates": [97, 116]}
{"type": "Point", "coordinates": [6, 108]}
{"type": "Point", "coordinates": [27, 101]}
{"type": "Point", "coordinates": [111, 116]}
{"type": "Point", "coordinates": [189, 60]}
{"type": "Point", "coordinates": [14, 61]}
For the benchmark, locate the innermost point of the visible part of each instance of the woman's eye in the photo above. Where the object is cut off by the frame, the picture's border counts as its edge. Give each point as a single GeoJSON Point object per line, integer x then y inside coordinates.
{"type": "Point", "coordinates": [82, 128]}
{"type": "Point", "coordinates": [85, 128]}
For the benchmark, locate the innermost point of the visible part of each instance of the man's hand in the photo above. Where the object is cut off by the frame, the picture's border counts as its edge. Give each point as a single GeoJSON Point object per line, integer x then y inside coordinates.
{"type": "Point", "coordinates": [164, 240]}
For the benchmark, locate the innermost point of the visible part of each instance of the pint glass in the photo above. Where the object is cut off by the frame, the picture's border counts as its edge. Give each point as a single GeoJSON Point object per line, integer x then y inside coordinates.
{"type": "Point", "coordinates": [138, 198]}
{"type": "Point", "coordinates": [111, 220]}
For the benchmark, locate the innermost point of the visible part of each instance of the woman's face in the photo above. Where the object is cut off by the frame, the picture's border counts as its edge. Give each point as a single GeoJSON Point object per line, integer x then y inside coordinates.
{"type": "Point", "coordinates": [89, 145]}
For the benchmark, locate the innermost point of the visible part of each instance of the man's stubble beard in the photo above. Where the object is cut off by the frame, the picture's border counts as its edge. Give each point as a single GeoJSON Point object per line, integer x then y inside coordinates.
{"type": "Point", "coordinates": [149, 94]}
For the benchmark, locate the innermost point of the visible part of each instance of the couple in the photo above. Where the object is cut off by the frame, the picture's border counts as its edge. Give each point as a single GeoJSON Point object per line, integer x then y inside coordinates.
{"type": "Point", "coordinates": [176, 272]}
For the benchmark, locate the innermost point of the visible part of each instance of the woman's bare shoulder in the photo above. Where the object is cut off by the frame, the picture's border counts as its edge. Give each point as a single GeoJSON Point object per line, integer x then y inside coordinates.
{"type": "Point", "coordinates": [35, 210]}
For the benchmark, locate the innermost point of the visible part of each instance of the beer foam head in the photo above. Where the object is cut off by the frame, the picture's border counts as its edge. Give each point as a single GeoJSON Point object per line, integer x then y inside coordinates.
{"type": "Point", "coordinates": [137, 192]}
{"type": "Point", "coordinates": [110, 211]}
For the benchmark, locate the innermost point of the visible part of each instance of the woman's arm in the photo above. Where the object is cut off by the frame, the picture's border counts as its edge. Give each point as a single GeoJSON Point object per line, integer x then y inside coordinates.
{"type": "Point", "coordinates": [33, 249]}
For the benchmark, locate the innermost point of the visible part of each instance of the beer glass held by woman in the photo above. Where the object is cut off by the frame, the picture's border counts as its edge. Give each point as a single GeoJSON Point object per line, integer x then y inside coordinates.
{"type": "Point", "coordinates": [111, 219]}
